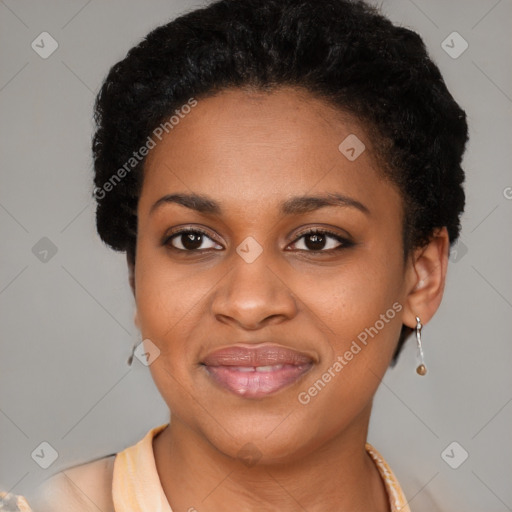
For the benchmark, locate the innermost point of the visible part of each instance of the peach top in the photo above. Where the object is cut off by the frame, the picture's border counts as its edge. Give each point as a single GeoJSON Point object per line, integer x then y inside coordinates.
{"type": "Point", "coordinates": [136, 485]}
{"type": "Point", "coordinates": [128, 481]}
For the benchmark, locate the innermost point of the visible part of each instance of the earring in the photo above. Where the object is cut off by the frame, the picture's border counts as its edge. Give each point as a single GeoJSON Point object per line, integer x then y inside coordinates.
{"type": "Point", "coordinates": [130, 359]}
{"type": "Point", "coordinates": [421, 369]}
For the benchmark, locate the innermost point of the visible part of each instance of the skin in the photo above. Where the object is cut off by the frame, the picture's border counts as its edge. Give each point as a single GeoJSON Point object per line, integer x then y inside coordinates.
{"type": "Point", "coordinates": [250, 151]}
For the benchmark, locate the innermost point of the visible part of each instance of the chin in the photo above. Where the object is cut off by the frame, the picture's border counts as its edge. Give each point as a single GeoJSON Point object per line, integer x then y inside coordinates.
{"type": "Point", "coordinates": [262, 438]}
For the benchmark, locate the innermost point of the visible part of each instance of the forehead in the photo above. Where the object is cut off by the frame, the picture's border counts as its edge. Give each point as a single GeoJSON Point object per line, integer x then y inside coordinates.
{"type": "Point", "coordinates": [244, 146]}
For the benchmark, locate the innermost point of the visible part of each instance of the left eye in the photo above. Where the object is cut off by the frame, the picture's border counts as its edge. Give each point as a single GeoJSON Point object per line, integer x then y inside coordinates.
{"type": "Point", "coordinates": [320, 241]}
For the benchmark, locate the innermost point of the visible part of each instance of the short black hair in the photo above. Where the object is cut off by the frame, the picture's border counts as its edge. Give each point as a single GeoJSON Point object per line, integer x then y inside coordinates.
{"type": "Point", "coordinates": [343, 51]}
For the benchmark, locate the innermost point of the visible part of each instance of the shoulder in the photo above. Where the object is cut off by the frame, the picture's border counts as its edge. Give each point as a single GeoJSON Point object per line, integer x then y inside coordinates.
{"type": "Point", "coordinates": [82, 488]}
{"type": "Point", "coordinates": [9, 501]}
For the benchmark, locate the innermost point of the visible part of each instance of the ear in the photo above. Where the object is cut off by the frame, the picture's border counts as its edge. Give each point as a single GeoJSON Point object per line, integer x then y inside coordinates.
{"type": "Point", "coordinates": [426, 279]}
{"type": "Point", "coordinates": [131, 279]}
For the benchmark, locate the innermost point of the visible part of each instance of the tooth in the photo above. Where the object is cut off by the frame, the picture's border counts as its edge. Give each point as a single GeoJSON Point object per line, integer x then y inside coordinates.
{"type": "Point", "coordinates": [261, 369]}
{"type": "Point", "coordinates": [271, 368]}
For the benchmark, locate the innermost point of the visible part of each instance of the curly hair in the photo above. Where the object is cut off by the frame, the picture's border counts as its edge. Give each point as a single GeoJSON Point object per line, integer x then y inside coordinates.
{"type": "Point", "coordinates": [345, 52]}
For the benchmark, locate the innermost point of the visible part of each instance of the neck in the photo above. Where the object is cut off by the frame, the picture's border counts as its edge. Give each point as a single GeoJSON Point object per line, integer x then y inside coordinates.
{"type": "Point", "coordinates": [339, 475]}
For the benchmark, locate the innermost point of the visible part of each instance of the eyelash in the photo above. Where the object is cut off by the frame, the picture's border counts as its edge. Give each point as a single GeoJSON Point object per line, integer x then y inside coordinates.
{"type": "Point", "coordinates": [345, 243]}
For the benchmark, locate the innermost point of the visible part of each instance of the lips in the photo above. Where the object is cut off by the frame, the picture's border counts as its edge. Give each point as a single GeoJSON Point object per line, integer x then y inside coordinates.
{"type": "Point", "coordinates": [255, 372]}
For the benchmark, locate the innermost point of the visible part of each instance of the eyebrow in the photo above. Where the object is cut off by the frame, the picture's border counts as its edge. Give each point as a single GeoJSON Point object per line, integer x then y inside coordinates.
{"type": "Point", "coordinates": [294, 205]}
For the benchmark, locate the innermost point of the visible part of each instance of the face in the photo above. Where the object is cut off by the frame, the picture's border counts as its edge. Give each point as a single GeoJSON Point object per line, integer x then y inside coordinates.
{"type": "Point", "coordinates": [275, 316]}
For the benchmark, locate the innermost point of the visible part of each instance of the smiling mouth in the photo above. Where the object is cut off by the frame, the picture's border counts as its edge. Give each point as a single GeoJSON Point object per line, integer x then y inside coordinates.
{"type": "Point", "coordinates": [256, 372]}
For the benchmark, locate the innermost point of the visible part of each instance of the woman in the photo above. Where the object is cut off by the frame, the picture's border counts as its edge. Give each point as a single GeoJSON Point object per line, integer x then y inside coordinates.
{"type": "Point", "coordinates": [284, 177]}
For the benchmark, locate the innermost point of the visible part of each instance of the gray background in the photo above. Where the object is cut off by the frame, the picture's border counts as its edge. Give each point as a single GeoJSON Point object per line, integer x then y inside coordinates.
{"type": "Point", "coordinates": [67, 323]}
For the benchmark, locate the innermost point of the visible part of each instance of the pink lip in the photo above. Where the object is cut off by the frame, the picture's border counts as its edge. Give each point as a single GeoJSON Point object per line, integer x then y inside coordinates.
{"type": "Point", "coordinates": [257, 371]}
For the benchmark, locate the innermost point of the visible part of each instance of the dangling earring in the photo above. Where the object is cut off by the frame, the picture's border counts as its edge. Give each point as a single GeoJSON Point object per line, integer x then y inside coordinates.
{"type": "Point", "coordinates": [421, 369]}
{"type": "Point", "coordinates": [130, 359]}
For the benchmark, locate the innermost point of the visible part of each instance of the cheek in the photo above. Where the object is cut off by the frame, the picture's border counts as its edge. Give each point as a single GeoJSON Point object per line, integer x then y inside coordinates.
{"type": "Point", "coordinates": [362, 320]}
{"type": "Point", "coordinates": [359, 308]}
{"type": "Point", "coordinates": [355, 295]}
{"type": "Point", "coordinates": [171, 301]}
{"type": "Point", "coordinates": [161, 296]}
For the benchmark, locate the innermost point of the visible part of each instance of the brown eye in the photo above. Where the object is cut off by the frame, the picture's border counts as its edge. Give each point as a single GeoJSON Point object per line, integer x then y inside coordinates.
{"type": "Point", "coordinates": [190, 240]}
{"type": "Point", "coordinates": [320, 241]}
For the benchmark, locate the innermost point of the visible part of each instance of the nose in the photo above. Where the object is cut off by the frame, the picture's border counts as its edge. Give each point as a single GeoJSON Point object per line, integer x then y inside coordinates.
{"type": "Point", "coordinates": [253, 295]}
